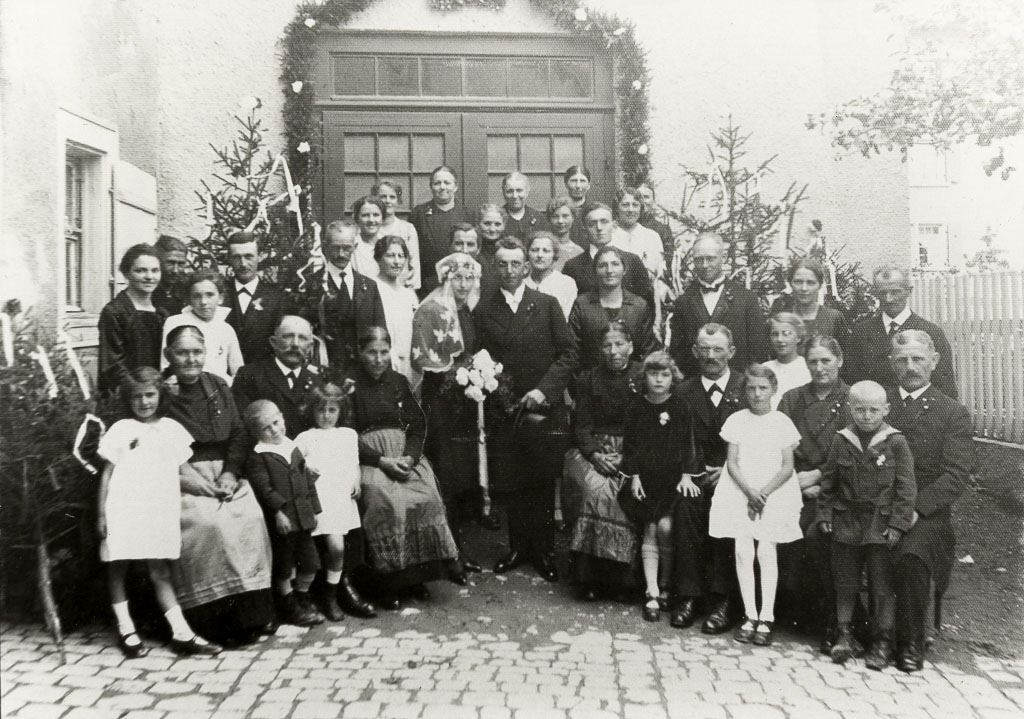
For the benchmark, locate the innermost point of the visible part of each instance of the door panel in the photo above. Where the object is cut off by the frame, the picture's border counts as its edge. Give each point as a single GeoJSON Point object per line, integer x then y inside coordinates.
{"type": "Point", "coordinates": [541, 146]}
{"type": "Point", "coordinates": [363, 147]}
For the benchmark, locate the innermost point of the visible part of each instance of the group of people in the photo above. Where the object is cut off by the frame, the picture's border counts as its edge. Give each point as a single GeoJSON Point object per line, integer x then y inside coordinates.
{"type": "Point", "coordinates": [324, 453]}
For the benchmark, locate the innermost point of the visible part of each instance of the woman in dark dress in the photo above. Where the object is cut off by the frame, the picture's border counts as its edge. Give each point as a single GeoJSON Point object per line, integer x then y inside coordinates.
{"type": "Point", "coordinates": [407, 535]}
{"type": "Point", "coordinates": [819, 409]}
{"type": "Point", "coordinates": [433, 221]}
{"type": "Point", "coordinates": [443, 332]}
{"type": "Point", "coordinates": [605, 542]}
{"type": "Point", "coordinates": [610, 302]}
{"type": "Point", "coordinates": [130, 325]}
{"type": "Point", "coordinates": [806, 278]}
{"type": "Point", "coordinates": [223, 576]}
{"type": "Point", "coordinates": [577, 184]}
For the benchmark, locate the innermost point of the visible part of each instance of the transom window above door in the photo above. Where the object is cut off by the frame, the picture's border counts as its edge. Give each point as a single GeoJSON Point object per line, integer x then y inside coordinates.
{"type": "Point", "coordinates": [393, 75]}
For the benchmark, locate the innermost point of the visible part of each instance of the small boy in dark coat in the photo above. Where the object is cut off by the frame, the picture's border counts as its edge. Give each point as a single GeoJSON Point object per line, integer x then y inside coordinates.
{"type": "Point", "coordinates": [866, 505]}
{"type": "Point", "coordinates": [285, 488]}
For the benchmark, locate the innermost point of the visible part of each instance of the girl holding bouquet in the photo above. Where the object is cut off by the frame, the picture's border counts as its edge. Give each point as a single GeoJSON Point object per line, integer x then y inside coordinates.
{"type": "Point", "coordinates": [443, 334]}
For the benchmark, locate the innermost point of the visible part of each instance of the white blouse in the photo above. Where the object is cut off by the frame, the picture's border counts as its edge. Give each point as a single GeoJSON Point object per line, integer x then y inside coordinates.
{"type": "Point", "coordinates": [642, 242]}
{"type": "Point", "coordinates": [399, 307]}
{"type": "Point", "coordinates": [223, 353]}
{"type": "Point", "coordinates": [561, 287]}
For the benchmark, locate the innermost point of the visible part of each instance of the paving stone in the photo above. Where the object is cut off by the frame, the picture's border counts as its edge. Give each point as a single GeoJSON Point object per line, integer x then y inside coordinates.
{"type": "Point", "coordinates": [40, 711]}
{"type": "Point", "coordinates": [362, 710]}
{"type": "Point", "coordinates": [316, 710]}
{"type": "Point", "coordinates": [92, 713]}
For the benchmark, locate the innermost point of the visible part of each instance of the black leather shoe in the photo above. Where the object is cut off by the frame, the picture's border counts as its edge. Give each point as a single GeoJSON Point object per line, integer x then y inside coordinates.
{"type": "Point", "coordinates": [846, 645]}
{"type": "Point", "coordinates": [828, 640]}
{"type": "Point", "coordinates": [193, 648]}
{"type": "Point", "coordinates": [489, 521]}
{"type": "Point", "coordinates": [291, 610]}
{"type": "Point", "coordinates": [879, 656]}
{"type": "Point", "coordinates": [911, 658]}
{"type": "Point", "coordinates": [328, 601]}
{"type": "Point", "coordinates": [388, 602]}
{"type": "Point", "coordinates": [469, 565]}
{"type": "Point", "coordinates": [509, 562]}
{"type": "Point", "coordinates": [651, 612]}
{"type": "Point", "coordinates": [352, 602]}
{"type": "Point", "coordinates": [135, 649]}
{"type": "Point", "coordinates": [763, 634]}
{"type": "Point", "coordinates": [545, 566]}
{"type": "Point", "coordinates": [684, 614]}
{"type": "Point", "coordinates": [420, 592]}
{"type": "Point", "coordinates": [719, 620]}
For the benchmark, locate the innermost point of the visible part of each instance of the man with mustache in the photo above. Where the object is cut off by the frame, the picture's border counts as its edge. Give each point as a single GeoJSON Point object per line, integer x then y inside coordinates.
{"type": "Point", "coordinates": [712, 395]}
{"type": "Point", "coordinates": [938, 430]}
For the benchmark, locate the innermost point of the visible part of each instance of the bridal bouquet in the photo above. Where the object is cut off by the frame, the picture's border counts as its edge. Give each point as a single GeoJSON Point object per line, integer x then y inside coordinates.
{"type": "Point", "coordinates": [480, 378]}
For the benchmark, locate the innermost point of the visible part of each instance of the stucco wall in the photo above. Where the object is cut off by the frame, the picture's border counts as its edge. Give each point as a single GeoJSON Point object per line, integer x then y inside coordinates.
{"type": "Point", "coordinates": [170, 76]}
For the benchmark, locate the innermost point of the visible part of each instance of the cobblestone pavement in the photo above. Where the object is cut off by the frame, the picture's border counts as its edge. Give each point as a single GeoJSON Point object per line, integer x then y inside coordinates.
{"type": "Point", "coordinates": [475, 653]}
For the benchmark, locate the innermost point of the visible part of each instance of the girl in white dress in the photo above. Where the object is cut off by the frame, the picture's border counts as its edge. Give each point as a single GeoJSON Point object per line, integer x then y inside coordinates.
{"type": "Point", "coordinates": [332, 451]}
{"type": "Point", "coordinates": [205, 294]}
{"type": "Point", "coordinates": [757, 501]}
{"type": "Point", "coordinates": [787, 334]}
{"type": "Point", "coordinates": [140, 507]}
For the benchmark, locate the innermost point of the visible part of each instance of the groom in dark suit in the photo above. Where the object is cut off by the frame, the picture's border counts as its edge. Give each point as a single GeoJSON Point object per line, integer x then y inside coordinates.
{"type": "Point", "coordinates": [256, 305]}
{"type": "Point", "coordinates": [711, 297]}
{"type": "Point", "coordinates": [939, 432]}
{"type": "Point", "coordinates": [704, 567]}
{"type": "Point", "coordinates": [338, 301]}
{"type": "Point", "coordinates": [525, 330]}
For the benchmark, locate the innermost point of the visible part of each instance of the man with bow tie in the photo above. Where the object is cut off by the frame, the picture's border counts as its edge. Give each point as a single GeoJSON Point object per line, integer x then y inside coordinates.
{"type": "Point", "coordinates": [525, 330]}
{"type": "Point", "coordinates": [338, 301]}
{"type": "Point", "coordinates": [938, 430]}
{"type": "Point", "coordinates": [256, 305]}
{"type": "Point", "coordinates": [871, 337]}
{"type": "Point", "coordinates": [712, 297]}
{"type": "Point", "coordinates": [704, 568]}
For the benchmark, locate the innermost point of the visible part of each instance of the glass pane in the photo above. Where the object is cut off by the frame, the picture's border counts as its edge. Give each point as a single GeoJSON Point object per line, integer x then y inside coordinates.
{"type": "Point", "coordinates": [501, 153]}
{"type": "Point", "coordinates": [394, 153]}
{"type": "Point", "coordinates": [535, 153]}
{"type": "Point", "coordinates": [568, 151]}
{"type": "Point", "coordinates": [494, 190]}
{"type": "Point", "coordinates": [442, 76]}
{"type": "Point", "coordinates": [571, 78]}
{"type": "Point", "coordinates": [528, 77]}
{"type": "Point", "coordinates": [356, 185]}
{"type": "Point", "coordinates": [398, 75]}
{"type": "Point", "coordinates": [485, 76]}
{"type": "Point", "coordinates": [427, 152]}
{"type": "Point", "coordinates": [420, 189]}
{"type": "Point", "coordinates": [353, 75]}
{"type": "Point", "coordinates": [359, 154]}
{"type": "Point", "coordinates": [540, 190]}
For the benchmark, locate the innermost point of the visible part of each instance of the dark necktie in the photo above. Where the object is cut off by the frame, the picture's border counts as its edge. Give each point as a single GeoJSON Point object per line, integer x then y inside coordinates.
{"type": "Point", "coordinates": [907, 401]}
{"type": "Point", "coordinates": [893, 328]}
{"type": "Point", "coordinates": [713, 389]}
{"type": "Point", "coordinates": [291, 380]}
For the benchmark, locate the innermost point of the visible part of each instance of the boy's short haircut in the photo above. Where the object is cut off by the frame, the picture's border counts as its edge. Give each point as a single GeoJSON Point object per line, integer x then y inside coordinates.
{"type": "Point", "coordinates": [252, 414]}
{"type": "Point", "coordinates": [460, 227]}
{"type": "Point", "coordinates": [868, 390]}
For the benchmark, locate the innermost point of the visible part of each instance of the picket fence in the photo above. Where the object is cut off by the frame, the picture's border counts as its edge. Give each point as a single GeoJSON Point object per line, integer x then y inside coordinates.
{"type": "Point", "coordinates": [983, 318]}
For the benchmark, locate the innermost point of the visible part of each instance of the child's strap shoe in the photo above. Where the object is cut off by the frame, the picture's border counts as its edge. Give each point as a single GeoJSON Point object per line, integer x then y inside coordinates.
{"type": "Point", "coordinates": [745, 633]}
{"type": "Point", "coordinates": [763, 633]}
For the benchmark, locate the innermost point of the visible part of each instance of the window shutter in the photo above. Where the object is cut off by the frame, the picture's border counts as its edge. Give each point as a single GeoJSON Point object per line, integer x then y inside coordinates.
{"type": "Point", "coordinates": [134, 214]}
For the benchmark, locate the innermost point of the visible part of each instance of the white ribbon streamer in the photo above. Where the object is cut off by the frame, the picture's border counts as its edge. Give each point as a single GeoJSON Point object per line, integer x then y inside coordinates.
{"type": "Point", "coordinates": [43, 359]}
{"type": "Point", "coordinates": [80, 436]}
{"type": "Point", "coordinates": [8, 338]}
{"type": "Point", "coordinates": [76, 365]}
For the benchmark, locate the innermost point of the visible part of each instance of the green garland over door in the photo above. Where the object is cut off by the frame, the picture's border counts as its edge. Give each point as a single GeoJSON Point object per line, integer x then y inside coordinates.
{"type": "Point", "coordinates": [301, 115]}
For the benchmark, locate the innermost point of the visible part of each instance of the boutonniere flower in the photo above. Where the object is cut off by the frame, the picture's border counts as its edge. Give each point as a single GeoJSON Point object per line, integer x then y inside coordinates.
{"type": "Point", "coordinates": [430, 210]}
{"type": "Point", "coordinates": [880, 461]}
{"type": "Point", "coordinates": [257, 304]}
{"type": "Point", "coordinates": [663, 418]}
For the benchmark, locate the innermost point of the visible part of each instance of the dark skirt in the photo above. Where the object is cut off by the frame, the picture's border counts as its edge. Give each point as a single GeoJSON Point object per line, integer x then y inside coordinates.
{"type": "Point", "coordinates": [451, 441]}
{"type": "Point", "coordinates": [232, 616]}
{"type": "Point", "coordinates": [407, 535]}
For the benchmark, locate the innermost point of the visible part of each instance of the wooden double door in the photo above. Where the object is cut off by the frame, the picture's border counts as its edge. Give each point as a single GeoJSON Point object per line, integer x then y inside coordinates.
{"type": "Point", "coordinates": [361, 147]}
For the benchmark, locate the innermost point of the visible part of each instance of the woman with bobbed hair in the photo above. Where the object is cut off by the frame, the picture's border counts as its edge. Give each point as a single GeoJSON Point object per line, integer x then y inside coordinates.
{"type": "Point", "coordinates": [788, 335]}
{"type": "Point", "coordinates": [400, 302]}
{"type": "Point", "coordinates": [561, 214]}
{"type": "Point", "coordinates": [368, 214]}
{"type": "Point", "coordinates": [806, 277]}
{"type": "Point", "coordinates": [130, 325]}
